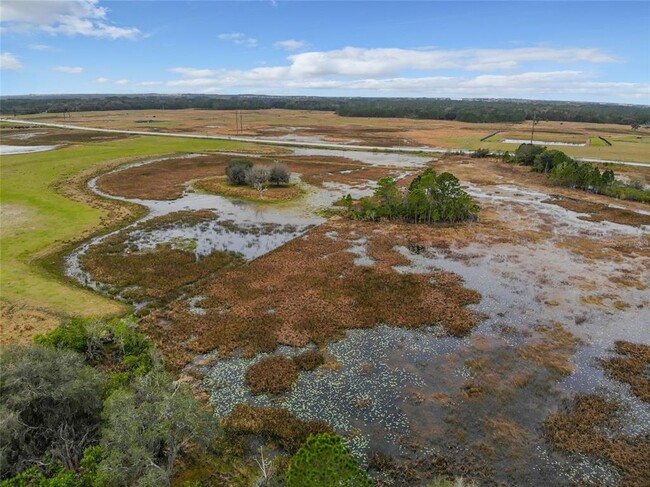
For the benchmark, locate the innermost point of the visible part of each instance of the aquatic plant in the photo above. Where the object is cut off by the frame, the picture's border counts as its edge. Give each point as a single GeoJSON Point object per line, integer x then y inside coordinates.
{"type": "Point", "coordinates": [309, 360]}
{"type": "Point", "coordinates": [278, 425]}
{"type": "Point", "coordinates": [631, 367]}
{"type": "Point", "coordinates": [324, 461]}
{"type": "Point", "coordinates": [272, 375]}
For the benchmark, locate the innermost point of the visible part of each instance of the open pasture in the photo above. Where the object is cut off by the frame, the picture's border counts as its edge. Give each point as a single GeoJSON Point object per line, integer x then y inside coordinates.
{"type": "Point", "coordinates": [318, 126]}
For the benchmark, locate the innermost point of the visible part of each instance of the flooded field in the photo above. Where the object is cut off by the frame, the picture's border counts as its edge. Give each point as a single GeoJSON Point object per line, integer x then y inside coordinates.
{"type": "Point", "coordinates": [8, 150]}
{"type": "Point", "coordinates": [465, 350]}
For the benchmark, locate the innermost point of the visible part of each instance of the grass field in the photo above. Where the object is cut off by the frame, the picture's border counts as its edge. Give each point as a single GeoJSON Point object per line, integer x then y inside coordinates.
{"type": "Point", "coordinates": [628, 144]}
{"type": "Point", "coordinates": [38, 220]}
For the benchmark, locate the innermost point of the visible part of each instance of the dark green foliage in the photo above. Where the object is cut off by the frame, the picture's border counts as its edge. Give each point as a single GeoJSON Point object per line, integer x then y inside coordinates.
{"type": "Point", "coordinates": [430, 198]}
{"type": "Point", "coordinates": [324, 461]}
{"type": "Point", "coordinates": [480, 153]}
{"type": "Point", "coordinates": [420, 108]}
{"type": "Point", "coordinates": [564, 171]}
{"type": "Point", "coordinates": [51, 403]}
{"type": "Point", "coordinates": [279, 174]}
{"type": "Point", "coordinates": [147, 426]}
{"type": "Point", "coordinates": [115, 346]}
{"type": "Point", "coordinates": [526, 154]}
{"type": "Point", "coordinates": [581, 175]}
{"type": "Point", "coordinates": [548, 159]}
{"type": "Point", "coordinates": [237, 170]}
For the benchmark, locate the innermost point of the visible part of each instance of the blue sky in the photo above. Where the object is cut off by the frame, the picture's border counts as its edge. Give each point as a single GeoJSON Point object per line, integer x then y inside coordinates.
{"type": "Point", "coordinates": [585, 51]}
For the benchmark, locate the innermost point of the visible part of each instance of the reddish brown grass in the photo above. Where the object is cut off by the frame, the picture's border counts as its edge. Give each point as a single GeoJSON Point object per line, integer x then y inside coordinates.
{"type": "Point", "coordinates": [271, 375]}
{"type": "Point", "coordinates": [582, 428]}
{"type": "Point", "coordinates": [277, 425]}
{"type": "Point", "coordinates": [316, 293]}
{"type": "Point", "coordinates": [631, 366]}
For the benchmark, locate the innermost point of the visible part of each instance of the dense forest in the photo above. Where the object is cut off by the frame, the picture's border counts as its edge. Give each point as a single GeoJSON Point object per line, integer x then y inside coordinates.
{"type": "Point", "coordinates": [468, 110]}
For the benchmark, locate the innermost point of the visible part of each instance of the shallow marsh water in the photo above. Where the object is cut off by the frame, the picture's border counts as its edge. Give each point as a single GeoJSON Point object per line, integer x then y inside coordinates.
{"type": "Point", "coordinates": [10, 150]}
{"type": "Point", "coordinates": [402, 391]}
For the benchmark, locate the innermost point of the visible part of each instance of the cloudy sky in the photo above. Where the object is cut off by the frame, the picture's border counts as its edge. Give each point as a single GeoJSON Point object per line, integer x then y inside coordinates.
{"type": "Point", "coordinates": [576, 50]}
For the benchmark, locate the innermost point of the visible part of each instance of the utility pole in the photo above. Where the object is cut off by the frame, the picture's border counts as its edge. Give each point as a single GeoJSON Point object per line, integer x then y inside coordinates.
{"type": "Point", "coordinates": [532, 132]}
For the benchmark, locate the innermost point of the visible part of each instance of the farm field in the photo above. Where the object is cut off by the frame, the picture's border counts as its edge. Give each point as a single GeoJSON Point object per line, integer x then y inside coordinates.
{"type": "Point", "coordinates": [494, 349]}
{"type": "Point", "coordinates": [317, 126]}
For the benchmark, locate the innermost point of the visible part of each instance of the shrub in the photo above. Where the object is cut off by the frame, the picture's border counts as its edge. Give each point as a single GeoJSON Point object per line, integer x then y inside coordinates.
{"type": "Point", "coordinates": [279, 174]}
{"type": "Point", "coordinates": [115, 346]}
{"type": "Point", "coordinates": [278, 425]}
{"type": "Point", "coordinates": [309, 360]}
{"type": "Point", "coordinates": [50, 402]}
{"type": "Point", "coordinates": [256, 176]}
{"type": "Point", "coordinates": [480, 153]}
{"type": "Point", "coordinates": [324, 461]}
{"type": "Point", "coordinates": [237, 170]}
{"type": "Point", "coordinates": [526, 153]}
{"type": "Point", "coordinates": [147, 426]}
{"type": "Point", "coordinates": [272, 375]}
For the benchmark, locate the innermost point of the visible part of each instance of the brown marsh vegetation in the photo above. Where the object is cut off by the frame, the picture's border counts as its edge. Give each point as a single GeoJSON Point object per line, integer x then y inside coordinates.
{"type": "Point", "coordinates": [310, 290]}
{"type": "Point", "coordinates": [584, 427]}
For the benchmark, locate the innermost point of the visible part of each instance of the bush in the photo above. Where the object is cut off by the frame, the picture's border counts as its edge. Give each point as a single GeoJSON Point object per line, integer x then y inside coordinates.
{"type": "Point", "coordinates": [51, 404]}
{"type": "Point", "coordinates": [526, 153]}
{"type": "Point", "coordinates": [256, 176]}
{"type": "Point", "coordinates": [116, 346]}
{"type": "Point", "coordinates": [272, 375]}
{"type": "Point", "coordinates": [147, 426]}
{"type": "Point", "coordinates": [237, 170]}
{"type": "Point", "coordinates": [309, 360]}
{"type": "Point", "coordinates": [278, 425]}
{"type": "Point", "coordinates": [480, 153]}
{"type": "Point", "coordinates": [279, 174]}
{"type": "Point", "coordinates": [323, 461]}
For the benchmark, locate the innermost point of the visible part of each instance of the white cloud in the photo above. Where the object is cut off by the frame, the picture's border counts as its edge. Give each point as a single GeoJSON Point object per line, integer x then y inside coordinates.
{"type": "Point", "coordinates": [193, 82]}
{"type": "Point", "coordinates": [150, 83]}
{"type": "Point", "coordinates": [69, 69]}
{"type": "Point", "coordinates": [102, 81]}
{"type": "Point", "coordinates": [39, 47]}
{"type": "Point", "coordinates": [238, 38]}
{"type": "Point", "coordinates": [9, 62]}
{"type": "Point", "coordinates": [409, 72]}
{"type": "Point", "coordinates": [355, 61]}
{"type": "Point", "coordinates": [193, 73]}
{"type": "Point", "coordinates": [68, 17]}
{"type": "Point", "coordinates": [291, 45]}
{"type": "Point", "coordinates": [122, 82]}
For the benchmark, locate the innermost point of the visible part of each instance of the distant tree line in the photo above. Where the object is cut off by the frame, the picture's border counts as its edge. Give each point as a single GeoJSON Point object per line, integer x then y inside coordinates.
{"type": "Point", "coordinates": [468, 110]}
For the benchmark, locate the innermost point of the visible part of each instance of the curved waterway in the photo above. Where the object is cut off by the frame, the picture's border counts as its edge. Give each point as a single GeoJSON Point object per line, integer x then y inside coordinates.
{"type": "Point", "coordinates": [246, 228]}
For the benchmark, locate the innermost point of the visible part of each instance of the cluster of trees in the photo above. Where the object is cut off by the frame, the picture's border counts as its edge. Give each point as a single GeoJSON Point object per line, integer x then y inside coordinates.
{"type": "Point", "coordinates": [242, 172]}
{"type": "Point", "coordinates": [430, 198]}
{"type": "Point", "coordinates": [565, 171]}
{"type": "Point", "coordinates": [90, 405]}
{"type": "Point", "coordinates": [469, 110]}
